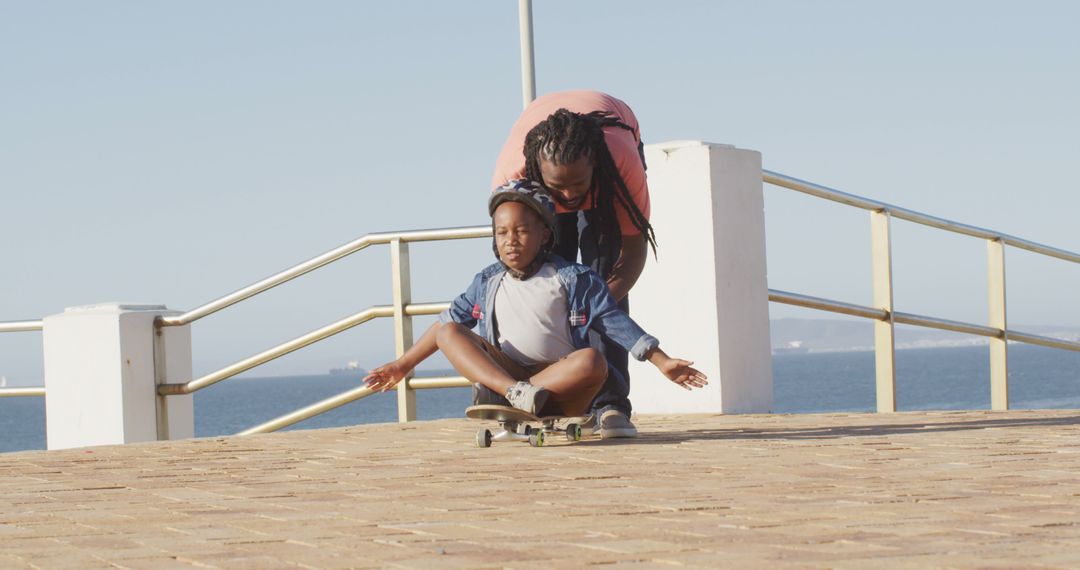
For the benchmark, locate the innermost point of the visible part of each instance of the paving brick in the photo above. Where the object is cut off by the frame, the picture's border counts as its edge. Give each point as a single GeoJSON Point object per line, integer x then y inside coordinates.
{"type": "Point", "coordinates": [159, 562]}
{"type": "Point", "coordinates": [938, 489]}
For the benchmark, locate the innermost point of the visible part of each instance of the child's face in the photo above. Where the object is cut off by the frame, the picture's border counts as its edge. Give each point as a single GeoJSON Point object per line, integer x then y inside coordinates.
{"type": "Point", "coordinates": [519, 234]}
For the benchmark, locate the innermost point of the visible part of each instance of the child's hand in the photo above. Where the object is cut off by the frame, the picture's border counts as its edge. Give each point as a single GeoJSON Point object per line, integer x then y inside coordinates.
{"type": "Point", "coordinates": [386, 376]}
{"type": "Point", "coordinates": [678, 370]}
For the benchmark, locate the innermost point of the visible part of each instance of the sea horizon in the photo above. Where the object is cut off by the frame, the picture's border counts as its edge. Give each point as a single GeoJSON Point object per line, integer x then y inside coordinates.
{"type": "Point", "coordinates": [951, 378]}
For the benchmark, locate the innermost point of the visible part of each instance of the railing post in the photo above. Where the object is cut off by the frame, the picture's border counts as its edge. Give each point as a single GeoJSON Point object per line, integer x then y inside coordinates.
{"type": "Point", "coordinates": [708, 209]}
{"type": "Point", "coordinates": [999, 347]}
{"type": "Point", "coordinates": [172, 363]}
{"type": "Point", "coordinates": [102, 369]}
{"type": "Point", "coordinates": [884, 340]}
{"type": "Point", "coordinates": [403, 330]}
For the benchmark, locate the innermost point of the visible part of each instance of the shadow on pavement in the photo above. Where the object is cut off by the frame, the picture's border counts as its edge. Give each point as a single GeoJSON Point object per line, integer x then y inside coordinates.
{"type": "Point", "coordinates": [835, 432]}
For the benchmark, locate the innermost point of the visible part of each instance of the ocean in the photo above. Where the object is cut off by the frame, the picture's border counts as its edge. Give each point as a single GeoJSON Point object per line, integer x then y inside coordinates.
{"type": "Point", "coordinates": [927, 379]}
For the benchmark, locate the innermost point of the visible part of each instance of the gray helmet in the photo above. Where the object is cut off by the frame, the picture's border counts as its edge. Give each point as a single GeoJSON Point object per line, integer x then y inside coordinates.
{"type": "Point", "coordinates": [532, 194]}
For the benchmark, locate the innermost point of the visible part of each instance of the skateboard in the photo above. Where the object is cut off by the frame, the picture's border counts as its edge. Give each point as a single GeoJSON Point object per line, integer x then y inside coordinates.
{"type": "Point", "coordinates": [515, 426]}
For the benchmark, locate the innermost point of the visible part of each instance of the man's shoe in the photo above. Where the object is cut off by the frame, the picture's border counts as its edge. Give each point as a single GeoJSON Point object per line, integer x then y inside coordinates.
{"type": "Point", "coordinates": [525, 396]}
{"type": "Point", "coordinates": [614, 423]}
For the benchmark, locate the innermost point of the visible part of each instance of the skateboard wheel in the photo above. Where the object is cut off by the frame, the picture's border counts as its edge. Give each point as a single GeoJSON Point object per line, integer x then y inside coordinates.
{"type": "Point", "coordinates": [483, 438]}
{"type": "Point", "coordinates": [573, 432]}
{"type": "Point", "coordinates": [536, 439]}
{"type": "Point", "coordinates": [527, 429]}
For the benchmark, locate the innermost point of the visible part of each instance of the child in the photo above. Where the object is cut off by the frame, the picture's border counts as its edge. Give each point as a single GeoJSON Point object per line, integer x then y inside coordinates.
{"type": "Point", "coordinates": [533, 313]}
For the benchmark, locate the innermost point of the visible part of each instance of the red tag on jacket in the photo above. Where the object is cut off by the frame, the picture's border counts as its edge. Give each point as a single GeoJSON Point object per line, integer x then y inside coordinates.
{"type": "Point", "coordinates": [578, 318]}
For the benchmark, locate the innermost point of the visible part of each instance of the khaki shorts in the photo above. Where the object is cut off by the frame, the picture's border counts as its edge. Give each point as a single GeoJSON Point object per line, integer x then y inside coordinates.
{"type": "Point", "coordinates": [517, 371]}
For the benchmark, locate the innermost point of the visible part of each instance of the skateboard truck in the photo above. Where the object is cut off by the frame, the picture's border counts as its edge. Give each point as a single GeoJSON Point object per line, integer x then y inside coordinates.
{"type": "Point", "coordinates": [515, 426]}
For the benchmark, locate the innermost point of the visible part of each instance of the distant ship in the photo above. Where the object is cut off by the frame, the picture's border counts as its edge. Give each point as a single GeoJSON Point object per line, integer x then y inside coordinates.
{"type": "Point", "coordinates": [791, 347]}
{"type": "Point", "coordinates": [353, 367]}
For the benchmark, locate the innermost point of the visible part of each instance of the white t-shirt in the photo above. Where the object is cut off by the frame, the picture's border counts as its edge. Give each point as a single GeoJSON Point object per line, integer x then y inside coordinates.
{"type": "Point", "coordinates": [532, 317]}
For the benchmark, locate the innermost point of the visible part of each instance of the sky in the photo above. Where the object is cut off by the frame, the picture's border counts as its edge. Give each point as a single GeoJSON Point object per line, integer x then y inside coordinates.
{"type": "Point", "coordinates": [172, 152]}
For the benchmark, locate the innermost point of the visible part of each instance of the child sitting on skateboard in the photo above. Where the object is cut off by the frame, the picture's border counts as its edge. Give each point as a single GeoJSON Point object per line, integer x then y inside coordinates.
{"type": "Point", "coordinates": [533, 312]}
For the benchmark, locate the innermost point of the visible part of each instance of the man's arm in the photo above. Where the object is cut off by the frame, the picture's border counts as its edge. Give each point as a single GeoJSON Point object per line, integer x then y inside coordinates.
{"type": "Point", "coordinates": [628, 267]}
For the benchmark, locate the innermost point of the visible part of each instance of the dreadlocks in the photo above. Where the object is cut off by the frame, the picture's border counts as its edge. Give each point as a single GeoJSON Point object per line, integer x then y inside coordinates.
{"type": "Point", "coordinates": [565, 137]}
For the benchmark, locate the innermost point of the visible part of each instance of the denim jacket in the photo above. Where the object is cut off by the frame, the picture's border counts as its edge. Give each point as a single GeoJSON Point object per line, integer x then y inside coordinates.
{"type": "Point", "coordinates": [591, 306]}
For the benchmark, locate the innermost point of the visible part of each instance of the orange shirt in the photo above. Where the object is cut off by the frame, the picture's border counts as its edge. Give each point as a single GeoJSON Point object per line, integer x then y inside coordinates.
{"type": "Point", "coordinates": [622, 144]}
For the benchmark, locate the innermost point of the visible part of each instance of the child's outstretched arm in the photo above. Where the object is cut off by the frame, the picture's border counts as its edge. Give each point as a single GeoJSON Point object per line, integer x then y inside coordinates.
{"type": "Point", "coordinates": [460, 311]}
{"type": "Point", "coordinates": [677, 370]}
{"type": "Point", "coordinates": [388, 375]}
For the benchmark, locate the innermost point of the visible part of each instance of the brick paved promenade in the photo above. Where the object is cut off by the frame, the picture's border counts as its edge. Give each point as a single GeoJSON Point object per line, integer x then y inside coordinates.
{"type": "Point", "coordinates": [965, 489]}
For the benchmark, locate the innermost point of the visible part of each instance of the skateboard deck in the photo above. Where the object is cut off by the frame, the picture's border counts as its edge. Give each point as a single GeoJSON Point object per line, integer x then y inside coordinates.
{"type": "Point", "coordinates": [516, 425]}
{"type": "Point", "coordinates": [500, 413]}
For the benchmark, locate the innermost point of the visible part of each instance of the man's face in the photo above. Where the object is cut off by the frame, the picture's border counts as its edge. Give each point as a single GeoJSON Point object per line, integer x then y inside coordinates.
{"type": "Point", "coordinates": [519, 234]}
{"type": "Point", "coordinates": [569, 183]}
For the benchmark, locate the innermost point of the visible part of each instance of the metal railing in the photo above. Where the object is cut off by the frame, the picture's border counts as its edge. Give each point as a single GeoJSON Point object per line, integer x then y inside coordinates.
{"type": "Point", "coordinates": [339, 400]}
{"type": "Point", "coordinates": [21, 326]}
{"type": "Point", "coordinates": [886, 317]}
{"type": "Point", "coordinates": [402, 311]}
{"type": "Point", "coordinates": [21, 392]}
{"type": "Point", "coordinates": [319, 261]}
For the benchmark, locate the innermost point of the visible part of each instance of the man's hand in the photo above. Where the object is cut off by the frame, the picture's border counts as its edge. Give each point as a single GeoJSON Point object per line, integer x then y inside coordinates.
{"type": "Point", "coordinates": [386, 376]}
{"type": "Point", "coordinates": [677, 370]}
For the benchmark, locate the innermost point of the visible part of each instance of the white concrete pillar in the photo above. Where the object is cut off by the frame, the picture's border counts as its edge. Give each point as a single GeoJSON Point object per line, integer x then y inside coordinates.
{"type": "Point", "coordinates": [706, 297]}
{"type": "Point", "coordinates": [100, 377]}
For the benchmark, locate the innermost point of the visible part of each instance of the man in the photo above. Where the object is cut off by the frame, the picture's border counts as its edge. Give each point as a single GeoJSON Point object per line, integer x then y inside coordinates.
{"type": "Point", "coordinates": [585, 147]}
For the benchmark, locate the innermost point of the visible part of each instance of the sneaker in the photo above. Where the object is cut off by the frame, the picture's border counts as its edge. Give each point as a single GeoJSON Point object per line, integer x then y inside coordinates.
{"type": "Point", "coordinates": [482, 395]}
{"type": "Point", "coordinates": [589, 425]}
{"type": "Point", "coordinates": [614, 423]}
{"type": "Point", "coordinates": [525, 396]}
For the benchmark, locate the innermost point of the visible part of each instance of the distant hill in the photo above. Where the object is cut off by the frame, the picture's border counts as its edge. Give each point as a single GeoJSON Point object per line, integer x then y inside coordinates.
{"type": "Point", "coordinates": [830, 335]}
